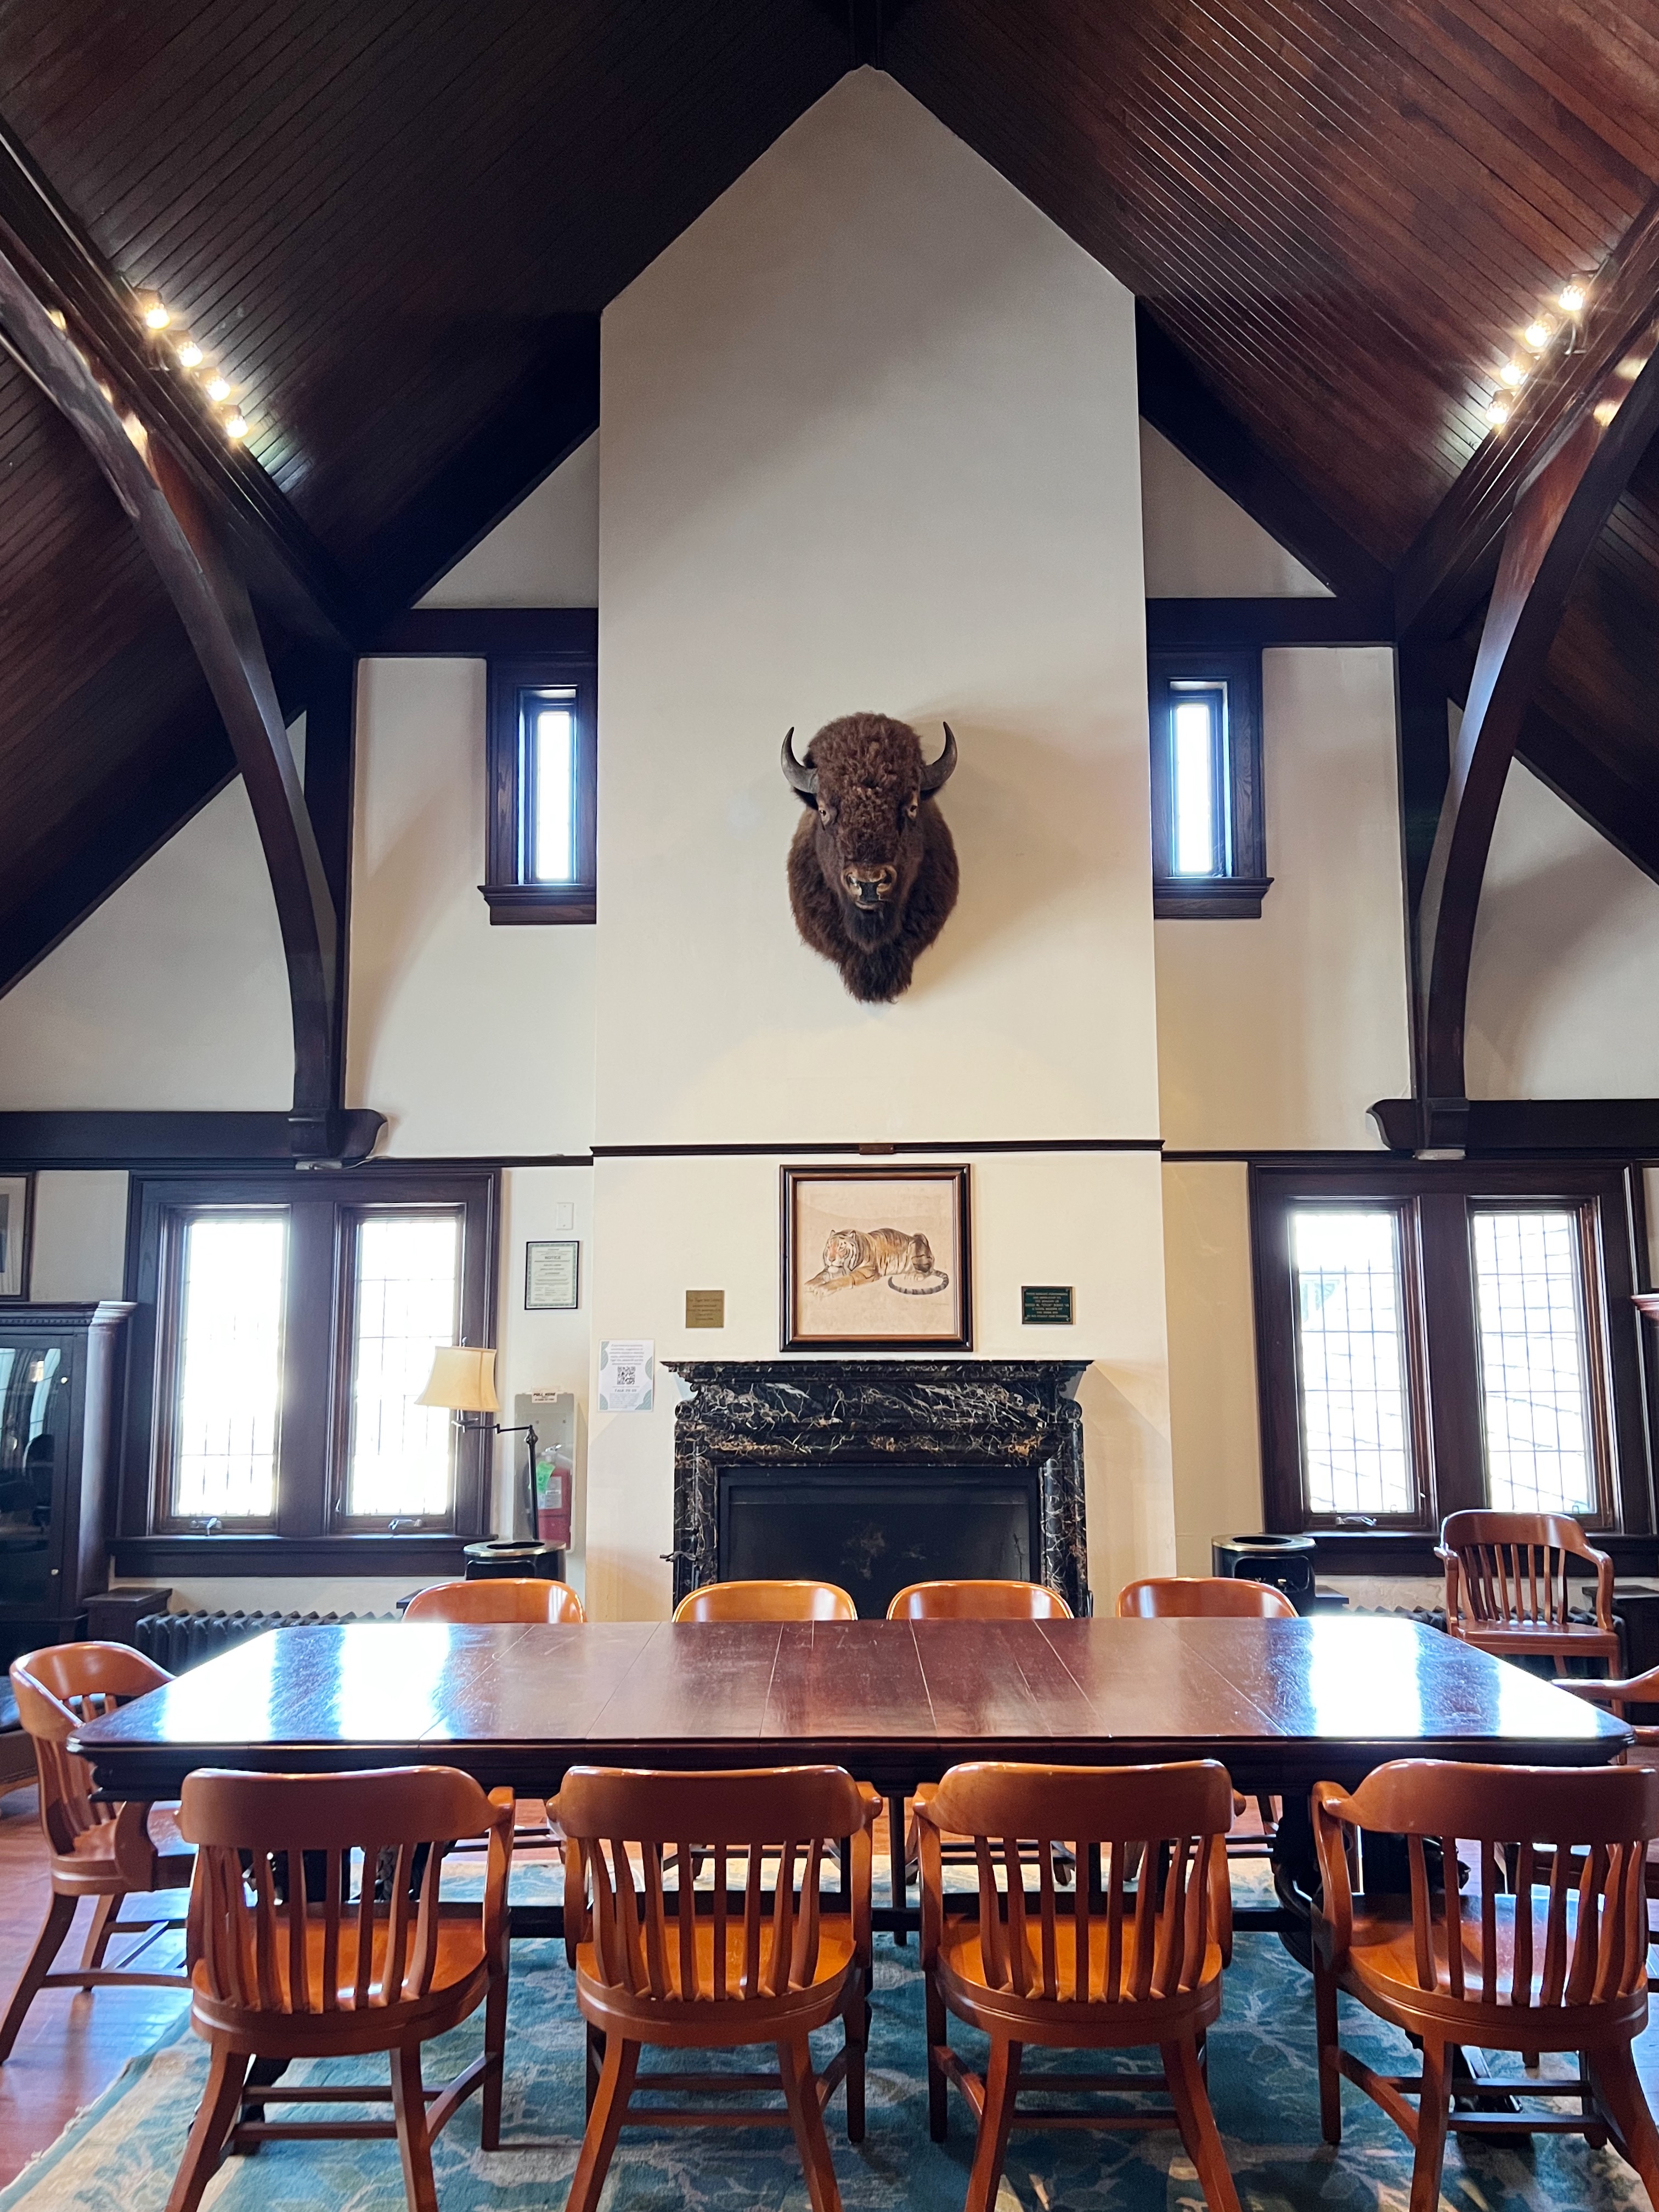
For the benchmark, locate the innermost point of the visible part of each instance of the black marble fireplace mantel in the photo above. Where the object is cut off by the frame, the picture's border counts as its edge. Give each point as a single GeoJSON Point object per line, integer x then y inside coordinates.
{"type": "Point", "coordinates": [903, 1414]}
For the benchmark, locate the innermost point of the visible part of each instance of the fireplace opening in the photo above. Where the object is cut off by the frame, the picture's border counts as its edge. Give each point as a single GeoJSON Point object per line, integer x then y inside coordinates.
{"type": "Point", "coordinates": [873, 1530]}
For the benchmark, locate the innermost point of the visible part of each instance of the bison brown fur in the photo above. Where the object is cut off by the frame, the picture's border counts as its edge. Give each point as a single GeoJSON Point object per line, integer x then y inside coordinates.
{"type": "Point", "coordinates": [872, 872]}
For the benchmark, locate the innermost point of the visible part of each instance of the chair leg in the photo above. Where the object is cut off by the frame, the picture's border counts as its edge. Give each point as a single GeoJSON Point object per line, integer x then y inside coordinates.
{"type": "Point", "coordinates": [604, 2122]}
{"type": "Point", "coordinates": [1001, 2087]}
{"type": "Point", "coordinates": [1618, 2087]}
{"type": "Point", "coordinates": [896, 1861]}
{"type": "Point", "coordinates": [1330, 2074]}
{"type": "Point", "coordinates": [856, 2023]}
{"type": "Point", "coordinates": [1199, 2131]}
{"type": "Point", "coordinates": [215, 2117]}
{"type": "Point", "coordinates": [938, 2087]}
{"type": "Point", "coordinates": [47, 1944]}
{"type": "Point", "coordinates": [414, 2144]}
{"type": "Point", "coordinates": [489, 2123]}
{"type": "Point", "coordinates": [595, 2066]}
{"type": "Point", "coordinates": [1433, 2117]}
{"type": "Point", "coordinates": [800, 2094]}
{"type": "Point", "coordinates": [99, 1935]}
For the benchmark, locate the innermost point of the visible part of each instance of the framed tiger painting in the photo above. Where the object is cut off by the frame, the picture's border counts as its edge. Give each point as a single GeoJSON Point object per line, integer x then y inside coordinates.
{"type": "Point", "coordinates": [876, 1258]}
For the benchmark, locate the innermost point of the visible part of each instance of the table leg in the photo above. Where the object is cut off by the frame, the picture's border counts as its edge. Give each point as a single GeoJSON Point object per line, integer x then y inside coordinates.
{"type": "Point", "coordinates": [895, 1864]}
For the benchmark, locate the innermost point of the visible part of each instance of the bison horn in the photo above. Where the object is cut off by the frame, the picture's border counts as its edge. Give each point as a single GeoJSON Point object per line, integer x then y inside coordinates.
{"type": "Point", "coordinates": [803, 780]}
{"type": "Point", "coordinates": [940, 773]}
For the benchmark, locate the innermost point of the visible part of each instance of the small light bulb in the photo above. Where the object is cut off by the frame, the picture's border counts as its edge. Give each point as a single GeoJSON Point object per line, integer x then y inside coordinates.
{"type": "Point", "coordinates": [55, 316]}
{"type": "Point", "coordinates": [1537, 335]}
{"type": "Point", "coordinates": [217, 389]}
{"type": "Point", "coordinates": [235, 426]}
{"type": "Point", "coordinates": [190, 354]}
{"type": "Point", "coordinates": [1513, 374]}
{"type": "Point", "coordinates": [1497, 414]}
{"type": "Point", "coordinates": [156, 318]}
{"type": "Point", "coordinates": [1572, 298]}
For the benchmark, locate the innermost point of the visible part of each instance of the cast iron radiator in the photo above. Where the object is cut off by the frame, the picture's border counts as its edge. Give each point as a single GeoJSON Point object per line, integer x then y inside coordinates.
{"type": "Point", "coordinates": [178, 1640]}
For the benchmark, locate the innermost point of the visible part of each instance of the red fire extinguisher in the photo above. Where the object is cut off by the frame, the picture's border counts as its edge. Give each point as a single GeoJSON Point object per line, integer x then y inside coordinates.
{"type": "Point", "coordinates": [553, 1484]}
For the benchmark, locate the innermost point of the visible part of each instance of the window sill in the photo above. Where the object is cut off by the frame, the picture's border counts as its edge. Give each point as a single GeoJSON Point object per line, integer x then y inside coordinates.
{"type": "Point", "coordinates": [441, 1553]}
{"type": "Point", "coordinates": [1210, 898]}
{"type": "Point", "coordinates": [515, 903]}
{"type": "Point", "coordinates": [1416, 1552]}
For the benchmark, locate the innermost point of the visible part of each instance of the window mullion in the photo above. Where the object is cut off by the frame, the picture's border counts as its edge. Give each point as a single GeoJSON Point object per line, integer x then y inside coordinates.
{"type": "Point", "coordinates": [304, 1460]}
{"type": "Point", "coordinates": [1451, 1354]}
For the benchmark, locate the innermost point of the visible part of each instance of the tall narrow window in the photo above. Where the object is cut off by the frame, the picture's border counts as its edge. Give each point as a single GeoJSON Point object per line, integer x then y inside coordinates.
{"type": "Point", "coordinates": [1209, 853]}
{"type": "Point", "coordinates": [1534, 1394]}
{"type": "Point", "coordinates": [540, 862]}
{"type": "Point", "coordinates": [407, 1302]}
{"type": "Point", "coordinates": [1351, 1361]}
{"type": "Point", "coordinates": [234, 1276]}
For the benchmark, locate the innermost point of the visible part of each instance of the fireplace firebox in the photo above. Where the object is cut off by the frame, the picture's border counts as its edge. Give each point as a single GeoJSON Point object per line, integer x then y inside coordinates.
{"type": "Point", "coordinates": [875, 1473]}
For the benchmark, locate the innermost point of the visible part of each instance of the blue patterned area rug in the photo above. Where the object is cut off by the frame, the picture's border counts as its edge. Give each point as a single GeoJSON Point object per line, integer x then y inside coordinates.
{"type": "Point", "coordinates": [121, 2155]}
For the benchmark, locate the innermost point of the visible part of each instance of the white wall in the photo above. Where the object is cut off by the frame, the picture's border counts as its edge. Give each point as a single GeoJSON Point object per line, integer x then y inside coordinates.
{"type": "Point", "coordinates": [79, 1246]}
{"type": "Point", "coordinates": [1215, 1434]}
{"type": "Point", "coordinates": [172, 993]}
{"type": "Point", "coordinates": [469, 1039]}
{"type": "Point", "coordinates": [1565, 977]}
{"type": "Point", "coordinates": [868, 439]}
{"type": "Point", "coordinates": [1278, 1034]}
{"type": "Point", "coordinates": [1200, 544]}
{"type": "Point", "coordinates": [544, 554]}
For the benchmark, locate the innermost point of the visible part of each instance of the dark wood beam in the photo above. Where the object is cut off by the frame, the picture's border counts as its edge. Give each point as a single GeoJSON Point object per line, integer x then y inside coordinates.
{"type": "Point", "coordinates": [488, 634]}
{"type": "Point", "coordinates": [1449, 567]}
{"type": "Point", "coordinates": [1178, 403]}
{"type": "Point", "coordinates": [153, 1140]}
{"type": "Point", "coordinates": [280, 558]}
{"type": "Point", "coordinates": [1559, 512]}
{"type": "Point", "coordinates": [322, 684]}
{"type": "Point", "coordinates": [1625, 1129]}
{"type": "Point", "coordinates": [1231, 625]}
{"type": "Point", "coordinates": [213, 604]}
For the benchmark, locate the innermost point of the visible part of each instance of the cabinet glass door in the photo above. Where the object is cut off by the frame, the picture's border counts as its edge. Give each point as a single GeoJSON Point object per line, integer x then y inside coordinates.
{"type": "Point", "coordinates": [35, 1421]}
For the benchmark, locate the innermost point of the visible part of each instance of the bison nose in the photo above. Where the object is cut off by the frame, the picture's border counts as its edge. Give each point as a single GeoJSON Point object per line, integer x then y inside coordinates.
{"type": "Point", "coordinates": [869, 885]}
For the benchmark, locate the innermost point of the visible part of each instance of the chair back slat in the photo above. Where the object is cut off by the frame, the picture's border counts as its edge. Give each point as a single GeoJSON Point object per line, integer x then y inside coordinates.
{"type": "Point", "coordinates": [273, 1922]}
{"type": "Point", "coordinates": [1582, 1836]}
{"type": "Point", "coordinates": [1509, 1571]}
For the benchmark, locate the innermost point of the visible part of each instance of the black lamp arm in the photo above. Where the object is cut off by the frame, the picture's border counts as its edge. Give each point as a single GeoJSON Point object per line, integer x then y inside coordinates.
{"type": "Point", "coordinates": [526, 1429]}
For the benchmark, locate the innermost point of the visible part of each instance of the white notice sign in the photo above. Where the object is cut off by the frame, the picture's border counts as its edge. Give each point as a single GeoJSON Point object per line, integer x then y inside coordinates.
{"type": "Point", "coordinates": [625, 1374]}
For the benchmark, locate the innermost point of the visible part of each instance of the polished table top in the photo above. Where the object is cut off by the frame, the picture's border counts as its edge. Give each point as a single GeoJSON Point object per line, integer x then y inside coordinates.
{"type": "Point", "coordinates": [1282, 1703]}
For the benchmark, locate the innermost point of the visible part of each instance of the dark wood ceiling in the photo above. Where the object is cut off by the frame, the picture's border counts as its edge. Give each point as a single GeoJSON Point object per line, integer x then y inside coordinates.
{"type": "Point", "coordinates": [395, 227]}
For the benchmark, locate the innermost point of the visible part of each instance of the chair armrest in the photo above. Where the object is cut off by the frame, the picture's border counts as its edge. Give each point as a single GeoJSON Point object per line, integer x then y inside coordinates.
{"type": "Point", "coordinates": [1453, 1566]}
{"type": "Point", "coordinates": [1603, 1586]}
{"type": "Point", "coordinates": [871, 1798]}
{"type": "Point", "coordinates": [1221, 1898]}
{"type": "Point", "coordinates": [497, 1869]}
{"type": "Point", "coordinates": [932, 1873]}
{"type": "Point", "coordinates": [135, 1851]}
{"type": "Point", "coordinates": [1330, 1808]}
{"type": "Point", "coordinates": [1632, 1689]}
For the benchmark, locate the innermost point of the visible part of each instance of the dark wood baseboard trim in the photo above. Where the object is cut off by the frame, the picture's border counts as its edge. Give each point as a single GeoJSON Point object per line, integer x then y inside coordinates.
{"type": "Point", "coordinates": [855, 1150]}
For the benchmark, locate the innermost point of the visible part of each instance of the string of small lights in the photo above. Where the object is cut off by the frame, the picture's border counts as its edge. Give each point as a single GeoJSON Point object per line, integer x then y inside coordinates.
{"type": "Point", "coordinates": [1565, 319]}
{"type": "Point", "coordinates": [223, 396]}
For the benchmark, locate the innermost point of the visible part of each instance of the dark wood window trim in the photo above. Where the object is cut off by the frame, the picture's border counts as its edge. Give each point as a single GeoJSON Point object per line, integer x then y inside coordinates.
{"type": "Point", "coordinates": [1236, 891]}
{"type": "Point", "coordinates": [1433, 1199]}
{"type": "Point", "coordinates": [311, 1535]}
{"type": "Point", "coordinates": [509, 886]}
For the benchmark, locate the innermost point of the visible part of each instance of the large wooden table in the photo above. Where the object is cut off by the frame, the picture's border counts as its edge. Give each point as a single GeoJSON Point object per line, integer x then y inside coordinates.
{"type": "Point", "coordinates": [1282, 1704]}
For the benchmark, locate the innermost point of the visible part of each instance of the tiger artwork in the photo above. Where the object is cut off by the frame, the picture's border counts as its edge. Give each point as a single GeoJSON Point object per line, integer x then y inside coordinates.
{"type": "Point", "coordinates": [873, 1256]}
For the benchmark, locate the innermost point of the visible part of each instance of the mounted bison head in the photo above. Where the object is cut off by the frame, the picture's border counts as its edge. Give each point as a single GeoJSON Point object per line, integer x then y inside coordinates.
{"type": "Point", "coordinates": [872, 872]}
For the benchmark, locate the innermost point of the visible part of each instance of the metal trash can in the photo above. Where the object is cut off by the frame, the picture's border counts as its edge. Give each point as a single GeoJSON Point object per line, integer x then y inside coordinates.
{"type": "Point", "coordinates": [1284, 1562]}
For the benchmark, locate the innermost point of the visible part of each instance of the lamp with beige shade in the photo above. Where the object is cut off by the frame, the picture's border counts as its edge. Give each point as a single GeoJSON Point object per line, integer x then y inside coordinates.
{"type": "Point", "coordinates": [462, 1380]}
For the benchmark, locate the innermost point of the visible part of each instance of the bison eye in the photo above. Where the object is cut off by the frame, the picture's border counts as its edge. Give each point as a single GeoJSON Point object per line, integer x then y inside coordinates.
{"type": "Point", "coordinates": [910, 809]}
{"type": "Point", "coordinates": [826, 813]}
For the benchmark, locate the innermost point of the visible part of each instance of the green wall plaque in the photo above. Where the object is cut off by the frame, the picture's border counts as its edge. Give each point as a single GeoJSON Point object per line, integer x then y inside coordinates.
{"type": "Point", "coordinates": [1046, 1304]}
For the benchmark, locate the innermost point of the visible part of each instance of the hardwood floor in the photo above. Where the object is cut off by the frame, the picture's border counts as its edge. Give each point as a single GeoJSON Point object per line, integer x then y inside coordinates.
{"type": "Point", "coordinates": [73, 2044]}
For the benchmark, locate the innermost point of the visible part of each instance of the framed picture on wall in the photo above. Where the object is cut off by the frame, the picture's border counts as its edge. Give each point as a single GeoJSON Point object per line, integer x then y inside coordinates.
{"type": "Point", "coordinates": [16, 1229]}
{"type": "Point", "coordinates": [876, 1258]}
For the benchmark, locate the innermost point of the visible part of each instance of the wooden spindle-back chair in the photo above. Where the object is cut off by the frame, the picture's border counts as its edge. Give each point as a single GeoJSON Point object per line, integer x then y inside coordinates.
{"type": "Point", "coordinates": [97, 1850]}
{"type": "Point", "coordinates": [1137, 1961]}
{"type": "Point", "coordinates": [1507, 1590]}
{"type": "Point", "coordinates": [1545, 1951]}
{"type": "Point", "coordinates": [1202, 1597]}
{"type": "Point", "coordinates": [767, 1601]}
{"type": "Point", "coordinates": [497, 1598]}
{"type": "Point", "coordinates": [979, 1601]}
{"type": "Point", "coordinates": [317, 1931]}
{"type": "Point", "coordinates": [720, 1967]}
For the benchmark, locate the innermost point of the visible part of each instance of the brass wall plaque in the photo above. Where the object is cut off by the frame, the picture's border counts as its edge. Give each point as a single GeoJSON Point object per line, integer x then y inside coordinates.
{"type": "Point", "coordinates": [705, 1309]}
{"type": "Point", "coordinates": [1046, 1304]}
